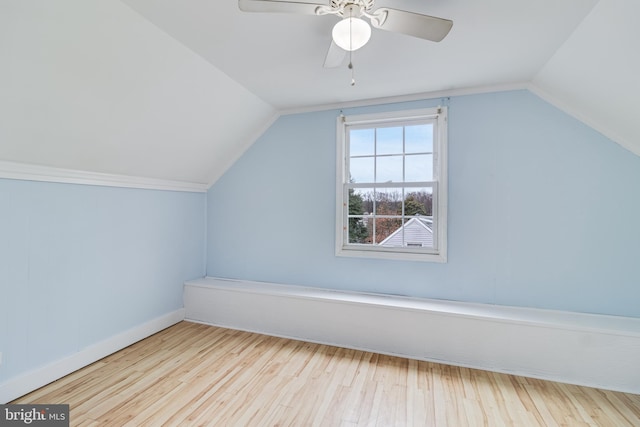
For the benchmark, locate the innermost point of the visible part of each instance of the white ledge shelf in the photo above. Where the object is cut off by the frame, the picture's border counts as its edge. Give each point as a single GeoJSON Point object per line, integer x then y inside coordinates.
{"type": "Point", "coordinates": [578, 348]}
{"type": "Point", "coordinates": [531, 316]}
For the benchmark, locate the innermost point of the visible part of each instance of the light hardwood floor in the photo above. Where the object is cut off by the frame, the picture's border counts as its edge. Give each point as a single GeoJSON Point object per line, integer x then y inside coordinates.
{"type": "Point", "coordinates": [193, 374]}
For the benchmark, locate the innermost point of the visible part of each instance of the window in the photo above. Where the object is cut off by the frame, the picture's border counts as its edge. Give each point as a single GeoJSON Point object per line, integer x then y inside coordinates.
{"type": "Point", "coordinates": [392, 185]}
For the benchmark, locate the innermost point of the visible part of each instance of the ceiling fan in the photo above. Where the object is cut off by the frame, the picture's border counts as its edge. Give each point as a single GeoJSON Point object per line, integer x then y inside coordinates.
{"type": "Point", "coordinates": [352, 32]}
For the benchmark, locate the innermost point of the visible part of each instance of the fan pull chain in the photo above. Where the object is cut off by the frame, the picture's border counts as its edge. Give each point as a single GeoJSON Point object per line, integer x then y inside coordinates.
{"type": "Point", "coordinates": [353, 79]}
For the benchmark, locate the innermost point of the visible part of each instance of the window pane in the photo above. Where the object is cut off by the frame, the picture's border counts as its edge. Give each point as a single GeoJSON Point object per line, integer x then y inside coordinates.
{"type": "Point", "coordinates": [419, 167]}
{"type": "Point", "coordinates": [357, 215]}
{"type": "Point", "coordinates": [386, 230]}
{"type": "Point", "coordinates": [418, 232]}
{"type": "Point", "coordinates": [358, 230]}
{"type": "Point", "coordinates": [389, 140]}
{"type": "Point", "coordinates": [389, 169]}
{"type": "Point", "coordinates": [361, 201]}
{"type": "Point", "coordinates": [361, 142]}
{"type": "Point", "coordinates": [388, 201]}
{"type": "Point", "coordinates": [356, 201]}
{"type": "Point", "coordinates": [419, 139]}
{"type": "Point", "coordinates": [361, 169]}
{"type": "Point", "coordinates": [418, 201]}
{"type": "Point", "coordinates": [368, 197]}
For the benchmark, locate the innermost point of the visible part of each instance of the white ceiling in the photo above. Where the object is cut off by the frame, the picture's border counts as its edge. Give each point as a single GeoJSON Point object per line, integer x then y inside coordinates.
{"type": "Point", "coordinates": [178, 90]}
{"type": "Point", "coordinates": [279, 57]}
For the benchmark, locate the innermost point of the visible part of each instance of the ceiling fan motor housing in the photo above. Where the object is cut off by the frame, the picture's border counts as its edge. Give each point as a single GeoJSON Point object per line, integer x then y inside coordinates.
{"type": "Point", "coordinates": [343, 5]}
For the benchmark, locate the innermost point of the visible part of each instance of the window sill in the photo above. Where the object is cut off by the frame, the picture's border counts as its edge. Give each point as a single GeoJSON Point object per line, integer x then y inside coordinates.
{"type": "Point", "coordinates": [399, 256]}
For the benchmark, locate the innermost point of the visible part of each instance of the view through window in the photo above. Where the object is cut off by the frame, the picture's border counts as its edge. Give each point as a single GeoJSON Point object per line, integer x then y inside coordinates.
{"type": "Point", "coordinates": [391, 196]}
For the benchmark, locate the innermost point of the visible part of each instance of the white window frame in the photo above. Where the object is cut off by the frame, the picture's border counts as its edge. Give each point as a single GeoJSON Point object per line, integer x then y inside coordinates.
{"type": "Point", "coordinates": [343, 247]}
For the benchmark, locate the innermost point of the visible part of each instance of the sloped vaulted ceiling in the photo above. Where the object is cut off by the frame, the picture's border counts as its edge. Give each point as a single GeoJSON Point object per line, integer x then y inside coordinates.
{"type": "Point", "coordinates": [594, 75]}
{"type": "Point", "coordinates": [177, 90]}
{"type": "Point", "coordinates": [93, 86]}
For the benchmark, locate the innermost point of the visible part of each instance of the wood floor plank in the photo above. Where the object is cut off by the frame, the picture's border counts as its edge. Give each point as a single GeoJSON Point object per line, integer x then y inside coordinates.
{"type": "Point", "coordinates": [193, 374]}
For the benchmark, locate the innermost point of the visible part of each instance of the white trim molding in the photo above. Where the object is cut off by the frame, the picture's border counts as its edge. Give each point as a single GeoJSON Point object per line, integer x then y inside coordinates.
{"type": "Point", "coordinates": [26, 383]}
{"type": "Point", "coordinates": [447, 93]}
{"type": "Point", "coordinates": [576, 348]}
{"type": "Point", "coordinates": [27, 172]}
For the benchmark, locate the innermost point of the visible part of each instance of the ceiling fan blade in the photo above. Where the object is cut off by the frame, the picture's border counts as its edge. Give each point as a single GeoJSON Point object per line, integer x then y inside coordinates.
{"type": "Point", "coordinates": [335, 56]}
{"type": "Point", "coordinates": [414, 24]}
{"type": "Point", "coordinates": [278, 6]}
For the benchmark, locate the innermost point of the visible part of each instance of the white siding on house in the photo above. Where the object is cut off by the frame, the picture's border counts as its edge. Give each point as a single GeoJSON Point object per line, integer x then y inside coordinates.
{"type": "Point", "coordinates": [416, 231]}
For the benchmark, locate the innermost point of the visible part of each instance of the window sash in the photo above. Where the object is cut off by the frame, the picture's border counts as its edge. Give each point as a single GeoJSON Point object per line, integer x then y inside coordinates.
{"type": "Point", "coordinates": [382, 123]}
{"type": "Point", "coordinates": [376, 246]}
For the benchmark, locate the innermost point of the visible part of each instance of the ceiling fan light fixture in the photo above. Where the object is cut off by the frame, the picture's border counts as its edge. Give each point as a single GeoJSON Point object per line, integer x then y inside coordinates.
{"type": "Point", "coordinates": [351, 33]}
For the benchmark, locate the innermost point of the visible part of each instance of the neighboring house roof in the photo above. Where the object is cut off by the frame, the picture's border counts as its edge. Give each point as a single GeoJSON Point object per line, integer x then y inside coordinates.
{"type": "Point", "coordinates": [418, 231]}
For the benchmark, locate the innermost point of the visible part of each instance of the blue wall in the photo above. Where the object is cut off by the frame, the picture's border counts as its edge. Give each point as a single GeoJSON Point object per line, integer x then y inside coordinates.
{"type": "Point", "coordinates": [543, 211]}
{"type": "Point", "coordinates": [80, 264]}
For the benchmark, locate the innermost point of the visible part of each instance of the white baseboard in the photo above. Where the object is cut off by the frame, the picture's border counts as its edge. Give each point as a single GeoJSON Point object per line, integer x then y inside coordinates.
{"type": "Point", "coordinates": [25, 383]}
{"type": "Point", "coordinates": [576, 348]}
